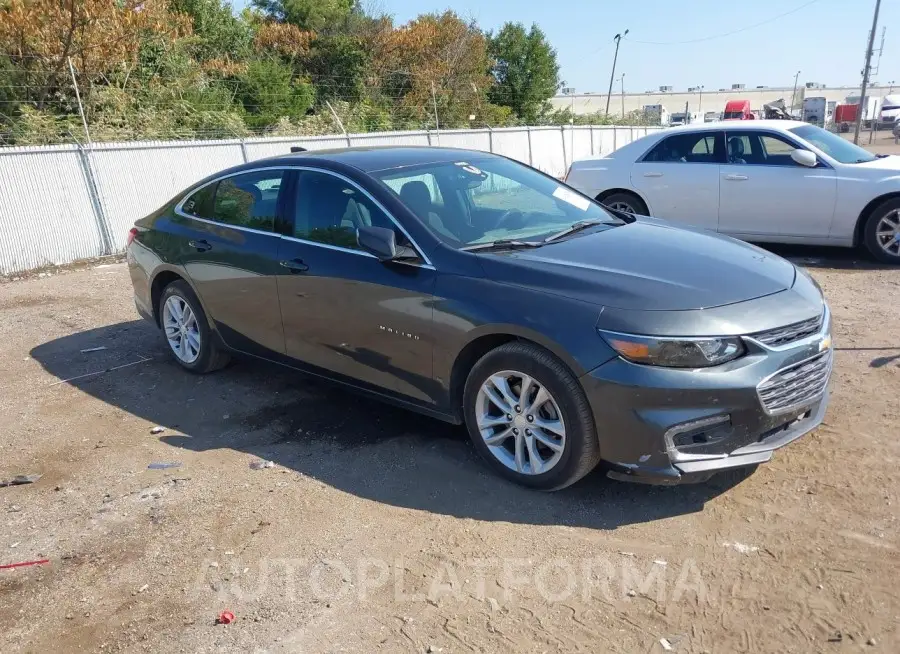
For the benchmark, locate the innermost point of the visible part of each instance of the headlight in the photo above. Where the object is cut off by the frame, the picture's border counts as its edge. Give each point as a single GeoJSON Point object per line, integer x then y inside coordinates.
{"type": "Point", "coordinates": [674, 352]}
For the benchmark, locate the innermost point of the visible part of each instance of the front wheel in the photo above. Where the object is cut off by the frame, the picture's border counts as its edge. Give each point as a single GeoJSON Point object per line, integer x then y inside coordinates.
{"type": "Point", "coordinates": [627, 202]}
{"type": "Point", "coordinates": [528, 417]}
{"type": "Point", "coordinates": [882, 232]}
{"type": "Point", "coordinates": [186, 330]}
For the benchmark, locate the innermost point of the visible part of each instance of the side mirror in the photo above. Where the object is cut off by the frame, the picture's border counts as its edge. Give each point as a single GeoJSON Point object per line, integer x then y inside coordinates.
{"type": "Point", "coordinates": [382, 242]}
{"type": "Point", "coordinates": [804, 158]}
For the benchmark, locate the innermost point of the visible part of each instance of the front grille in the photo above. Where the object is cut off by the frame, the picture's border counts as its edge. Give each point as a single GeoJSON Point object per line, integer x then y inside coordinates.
{"type": "Point", "coordinates": [789, 334]}
{"type": "Point", "coordinates": [795, 385]}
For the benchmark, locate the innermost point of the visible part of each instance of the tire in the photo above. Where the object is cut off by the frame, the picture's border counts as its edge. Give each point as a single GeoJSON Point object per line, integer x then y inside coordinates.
{"type": "Point", "coordinates": [580, 448]}
{"type": "Point", "coordinates": [870, 231]}
{"type": "Point", "coordinates": [209, 355]}
{"type": "Point", "coordinates": [625, 199]}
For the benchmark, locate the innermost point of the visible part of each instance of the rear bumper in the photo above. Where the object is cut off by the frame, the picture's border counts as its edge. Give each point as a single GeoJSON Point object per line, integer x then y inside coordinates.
{"type": "Point", "coordinates": [670, 426]}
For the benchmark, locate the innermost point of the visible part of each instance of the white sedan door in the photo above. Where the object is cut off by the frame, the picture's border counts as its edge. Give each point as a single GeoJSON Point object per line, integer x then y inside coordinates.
{"type": "Point", "coordinates": [679, 177]}
{"type": "Point", "coordinates": [764, 193]}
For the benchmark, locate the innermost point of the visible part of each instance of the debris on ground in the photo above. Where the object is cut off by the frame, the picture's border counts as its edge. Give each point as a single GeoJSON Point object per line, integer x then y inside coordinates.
{"type": "Point", "coordinates": [259, 465]}
{"type": "Point", "coordinates": [225, 617]}
{"type": "Point", "coordinates": [157, 430]}
{"type": "Point", "coordinates": [162, 465]}
{"type": "Point", "coordinates": [660, 562]}
{"type": "Point", "coordinates": [93, 349]}
{"type": "Point", "coordinates": [23, 564]}
{"type": "Point", "coordinates": [871, 642]}
{"type": "Point", "coordinates": [14, 508]}
{"type": "Point", "coordinates": [666, 645]}
{"type": "Point", "coordinates": [740, 547]}
{"type": "Point", "coordinates": [19, 480]}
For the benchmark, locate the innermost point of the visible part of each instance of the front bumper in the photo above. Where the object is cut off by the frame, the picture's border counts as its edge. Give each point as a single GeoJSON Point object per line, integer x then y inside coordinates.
{"type": "Point", "coordinates": [670, 426]}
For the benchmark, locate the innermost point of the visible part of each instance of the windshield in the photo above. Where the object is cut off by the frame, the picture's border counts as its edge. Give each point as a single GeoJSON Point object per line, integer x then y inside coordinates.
{"type": "Point", "coordinates": [733, 114]}
{"type": "Point", "coordinates": [833, 145]}
{"type": "Point", "coordinates": [481, 200]}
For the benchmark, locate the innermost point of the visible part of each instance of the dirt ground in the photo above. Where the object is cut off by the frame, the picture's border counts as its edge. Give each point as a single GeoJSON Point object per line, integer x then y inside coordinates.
{"type": "Point", "coordinates": [380, 531]}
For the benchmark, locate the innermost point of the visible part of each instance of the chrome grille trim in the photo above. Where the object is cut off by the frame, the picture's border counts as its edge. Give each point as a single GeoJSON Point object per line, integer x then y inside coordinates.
{"type": "Point", "coordinates": [781, 336]}
{"type": "Point", "coordinates": [796, 385]}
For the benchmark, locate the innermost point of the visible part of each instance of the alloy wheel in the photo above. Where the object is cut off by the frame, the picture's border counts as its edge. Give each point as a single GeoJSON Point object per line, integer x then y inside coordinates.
{"type": "Point", "coordinates": [888, 232]}
{"type": "Point", "coordinates": [520, 422]}
{"type": "Point", "coordinates": [181, 329]}
{"type": "Point", "coordinates": [621, 206]}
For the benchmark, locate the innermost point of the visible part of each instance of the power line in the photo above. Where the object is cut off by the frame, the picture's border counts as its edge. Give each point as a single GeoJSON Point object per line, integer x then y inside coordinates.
{"type": "Point", "coordinates": [724, 34]}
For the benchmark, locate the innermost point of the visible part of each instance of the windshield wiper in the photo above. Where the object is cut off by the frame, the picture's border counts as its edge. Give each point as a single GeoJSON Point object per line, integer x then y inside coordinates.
{"type": "Point", "coordinates": [574, 227]}
{"type": "Point", "coordinates": [503, 243]}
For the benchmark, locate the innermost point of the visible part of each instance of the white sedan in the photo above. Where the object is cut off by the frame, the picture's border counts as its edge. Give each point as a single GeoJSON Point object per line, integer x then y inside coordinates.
{"type": "Point", "coordinates": [776, 181]}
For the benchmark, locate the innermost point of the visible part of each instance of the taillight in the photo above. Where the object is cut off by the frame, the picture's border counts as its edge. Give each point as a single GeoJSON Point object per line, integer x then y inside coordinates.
{"type": "Point", "coordinates": [131, 234]}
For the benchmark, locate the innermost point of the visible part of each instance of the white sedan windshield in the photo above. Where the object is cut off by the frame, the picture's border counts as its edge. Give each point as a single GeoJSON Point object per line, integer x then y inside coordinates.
{"type": "Point", "coordinates": [484, 200]}
{"type": "Point", "coordinates": [833, 145]}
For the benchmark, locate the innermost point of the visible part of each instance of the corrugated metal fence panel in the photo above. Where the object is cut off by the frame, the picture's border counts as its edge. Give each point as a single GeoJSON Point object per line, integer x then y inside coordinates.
{"type": "Point", "coordinates": [469, 139]}
{"type": "Point", "coordinates": [547, 150]}
{"type": "Point", "coordinates": [137, 178]}
{"type": "Point", "coordinates": [512, 142]}
{"type": "Point", "coordinates": [623, 136]}
{"type": "Point", "coordinates": [578, 143]}
{"type": "Point", "coordinates": [272, 147]}
{"type": "Point", "coordinates": [46, 215]}
{"type": "Point", "coordinates": [392, 138]}
{"type": "Point", "coordinates": [604, 140]}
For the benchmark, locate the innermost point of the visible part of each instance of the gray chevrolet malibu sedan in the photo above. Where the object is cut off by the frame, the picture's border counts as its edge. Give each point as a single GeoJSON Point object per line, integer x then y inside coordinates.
{"type": "Point", "coordinates": [477, 290]}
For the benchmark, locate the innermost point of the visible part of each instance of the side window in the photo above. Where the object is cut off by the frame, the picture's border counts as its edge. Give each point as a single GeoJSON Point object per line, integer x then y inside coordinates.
{"type": "Point", "coordinates": [330, 210]}
{"type": "Point", "coordinates": [739, 148]}
{"type": "Point", "coordinates": [249, 200]}
{"type": "Point", "coordinates": [759, 149]}
{"type": "Point", "coordinates": [691, 147]}
{"type": "Point", "coordinates": [200, 203]}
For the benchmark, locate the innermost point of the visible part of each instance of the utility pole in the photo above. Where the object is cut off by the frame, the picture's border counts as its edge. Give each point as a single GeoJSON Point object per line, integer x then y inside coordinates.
{"type": "Point", "coordinates": [794, 94]}
{"type": "Point", "coordinates": [622, 80]}
{"type": "Point", "coordinates": [700, 103]}
{"type": "Point", "coordinates": [866, 71]}
{"type": "Point", "coordinates": [891, 89]}
{"type": "Point", "coordinates": [687, 116]}
{"type": "Point", "coordinates": [618, 39]}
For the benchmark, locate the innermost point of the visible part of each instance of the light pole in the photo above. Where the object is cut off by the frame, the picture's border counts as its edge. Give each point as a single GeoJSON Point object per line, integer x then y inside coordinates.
{"type": "Point", "coordinates": [794, 94]}
{"type": "Point", "coordinates": [891, 87]}
{"type": "Point", "coordinates": [622, 80]}
{"type": "Point", "coordinates": [618, 39]}
{"type": "Point", "coordinates": [700, 103]}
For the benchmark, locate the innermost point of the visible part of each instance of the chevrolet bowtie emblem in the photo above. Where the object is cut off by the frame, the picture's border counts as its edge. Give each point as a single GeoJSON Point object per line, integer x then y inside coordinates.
{"type": "Point", "coordinates": [825, 344]}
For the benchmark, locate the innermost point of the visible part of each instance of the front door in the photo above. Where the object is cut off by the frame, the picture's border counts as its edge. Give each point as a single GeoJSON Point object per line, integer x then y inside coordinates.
{"type": "Point", "coordinates": [679, 178]}
{"type": "Point", "coordinates": [764, 194]}
{"type": "Point", "coordinates": [345, 311]}
{"type": "Point", "coordinates": [229, 248]}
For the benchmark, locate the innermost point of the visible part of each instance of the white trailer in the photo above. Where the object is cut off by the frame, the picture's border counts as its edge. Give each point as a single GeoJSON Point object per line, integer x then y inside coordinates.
{"type": "Point", "coordinates": [815, 110]}
{"type": "Point", "coordinates": [656, 114]}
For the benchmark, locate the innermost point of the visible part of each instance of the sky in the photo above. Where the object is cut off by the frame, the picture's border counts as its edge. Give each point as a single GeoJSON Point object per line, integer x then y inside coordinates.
{"type": "Point", "coordinates": [824, 39]}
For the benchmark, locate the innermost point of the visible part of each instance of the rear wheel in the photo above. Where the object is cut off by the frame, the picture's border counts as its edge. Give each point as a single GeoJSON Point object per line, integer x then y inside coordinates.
{"type": "Point", "coordinates": [882, 232]}
{"type": "Point", "coordinates": [186, 330]}
{"type": "Point", "coordinates": [624, 201]}
{"type": "Point", "coordinates": [528, 417]}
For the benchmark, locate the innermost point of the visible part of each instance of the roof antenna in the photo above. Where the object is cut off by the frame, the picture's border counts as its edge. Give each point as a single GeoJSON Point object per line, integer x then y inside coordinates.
{"type": "Point", "coordinates": [297, 148]}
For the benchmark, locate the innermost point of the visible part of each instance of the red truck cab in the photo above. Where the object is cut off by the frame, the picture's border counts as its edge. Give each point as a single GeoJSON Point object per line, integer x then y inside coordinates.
{"type": "Point", "coordinates": [738, 110]}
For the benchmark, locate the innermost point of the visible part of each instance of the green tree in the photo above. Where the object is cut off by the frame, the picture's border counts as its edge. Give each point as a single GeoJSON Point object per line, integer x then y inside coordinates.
{"type": "Point", "coordinates": [218, 33]}
{"type": "Point", "coordinates": [525, 70]}
{"type": "Point", "coordinates": [269, 91]}
{"type": "Point", "coordinates": [315, 15]}
{"type": "Point", "coordinates": [338, 65]}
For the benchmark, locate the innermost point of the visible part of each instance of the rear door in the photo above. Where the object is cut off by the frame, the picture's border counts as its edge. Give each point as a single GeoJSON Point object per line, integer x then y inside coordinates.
{"type": "Point", "coordinates": [765, 194]}
{"type": "Point", "coordinates": [679, 178]}
{"type": "Point", "coordinates": [229, 249]}
{"type": "Point", "coordinates": [345, 311]}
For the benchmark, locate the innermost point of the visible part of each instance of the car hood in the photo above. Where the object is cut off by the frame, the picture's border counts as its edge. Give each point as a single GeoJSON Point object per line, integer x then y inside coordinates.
{"type": "Point", "coordinates": [890, 162]}
{"type": "Point", "coordinates": [646, 265]}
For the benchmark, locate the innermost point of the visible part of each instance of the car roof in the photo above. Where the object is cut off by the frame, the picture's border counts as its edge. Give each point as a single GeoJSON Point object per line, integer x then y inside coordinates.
{"type": "Point", "coordinates": [387, 157]}
{"type": "Point", "coordinates": [735, 124]}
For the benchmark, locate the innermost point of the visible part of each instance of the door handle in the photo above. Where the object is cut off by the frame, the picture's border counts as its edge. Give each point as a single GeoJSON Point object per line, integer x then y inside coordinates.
{"type": "Point", "coordinates": [295, 265]}
{"type": "Point", "coordinates": [201, 245]}
{"type": "Point", "coordinates": [736, 178]}
{"type": "Point", "coordinates": [653, 174]}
